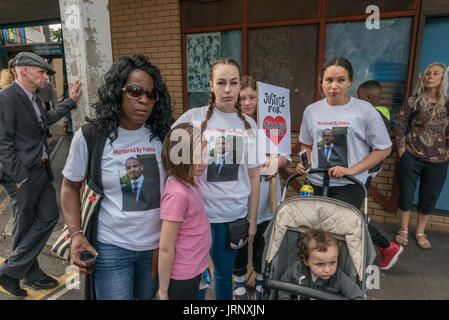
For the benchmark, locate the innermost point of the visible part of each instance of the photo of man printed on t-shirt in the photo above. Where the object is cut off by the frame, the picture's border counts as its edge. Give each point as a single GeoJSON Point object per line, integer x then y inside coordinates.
{"type": "Point", "coordinates": [332, 150]}
{"type": "Point", "coordinates": [140, 184]}
{"type": "Point", "coordinates": [224, 158]}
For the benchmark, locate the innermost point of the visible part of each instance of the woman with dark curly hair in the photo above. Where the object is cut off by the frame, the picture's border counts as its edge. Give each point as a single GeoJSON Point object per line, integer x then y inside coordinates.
{"type": "Point", "coordinates": [132, 117]}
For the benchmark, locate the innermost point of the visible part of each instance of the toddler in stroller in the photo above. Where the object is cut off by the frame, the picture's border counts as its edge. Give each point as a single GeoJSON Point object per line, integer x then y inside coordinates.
{"type": "Point", "coordinates": [318, 268]}
{"type": "Point", "coordinates": [294, 217]}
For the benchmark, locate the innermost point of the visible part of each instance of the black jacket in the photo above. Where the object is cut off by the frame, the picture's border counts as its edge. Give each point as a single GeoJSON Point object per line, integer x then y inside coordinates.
{"type": "Point", "coordinates": [339, 283]}
{"type": "Point", "coordinates": [21, 137]}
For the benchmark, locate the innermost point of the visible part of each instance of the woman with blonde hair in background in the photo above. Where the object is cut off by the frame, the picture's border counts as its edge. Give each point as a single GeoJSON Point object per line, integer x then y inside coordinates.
{"type": "Point", "coordinates": [423, 147]}
{"type": "Point", "coordinates": [7, 76]}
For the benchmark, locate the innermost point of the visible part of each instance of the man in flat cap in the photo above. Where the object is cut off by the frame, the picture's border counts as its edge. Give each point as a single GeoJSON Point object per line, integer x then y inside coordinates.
{"type": "Point", "coordinates": [26, 172]}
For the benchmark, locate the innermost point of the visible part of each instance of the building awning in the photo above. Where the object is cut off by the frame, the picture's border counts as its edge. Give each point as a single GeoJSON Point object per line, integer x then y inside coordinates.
{"type": "Point", "coordinates": [27, 12]}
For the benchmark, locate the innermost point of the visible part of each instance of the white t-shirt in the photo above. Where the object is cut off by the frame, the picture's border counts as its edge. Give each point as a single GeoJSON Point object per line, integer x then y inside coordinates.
{"type": "Point", "coordinates": [225, 188]}
{"type": "Point", "coordinates": [129, 215]}
{"type": "Point", "coordinates": [354, 126]}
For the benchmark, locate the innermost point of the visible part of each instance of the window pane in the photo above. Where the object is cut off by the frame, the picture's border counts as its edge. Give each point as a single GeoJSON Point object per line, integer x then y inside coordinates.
{"type": "Point", "coordinates": [269, 10]}
{"type": "Point", "coordinates": [286, 57]}
{"type": "Point", "coordinates": [375, 54]}
{"type": "Point", "coordinates": [211, 13]}
{"type": "Point", "coordinates": [202, 50]}
{"type": "Point", "coordinates": [337, 8]}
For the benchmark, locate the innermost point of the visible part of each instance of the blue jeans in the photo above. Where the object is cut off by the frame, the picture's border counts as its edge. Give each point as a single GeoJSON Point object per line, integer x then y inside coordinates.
{"type": "Point", "coordinates": [223, 262]}
{"type": "Point", "coordinates": [122, 274]}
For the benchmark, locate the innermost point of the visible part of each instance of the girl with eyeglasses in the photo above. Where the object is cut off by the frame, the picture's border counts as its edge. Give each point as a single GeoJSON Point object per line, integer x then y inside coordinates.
{"type": "Point", "coordinates": [132, 117]}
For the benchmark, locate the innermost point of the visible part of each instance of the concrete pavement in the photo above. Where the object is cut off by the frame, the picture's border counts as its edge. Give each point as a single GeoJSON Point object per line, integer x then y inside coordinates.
{"type": "Point", "coordinates": [419, 274]}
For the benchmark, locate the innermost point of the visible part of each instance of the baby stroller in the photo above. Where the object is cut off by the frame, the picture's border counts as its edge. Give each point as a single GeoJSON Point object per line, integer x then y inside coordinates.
{"type": "Point", "coordinates": [299, 213]}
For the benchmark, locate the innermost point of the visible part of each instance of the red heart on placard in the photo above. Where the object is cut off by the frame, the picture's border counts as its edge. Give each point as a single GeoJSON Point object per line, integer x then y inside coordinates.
{"type": "Point", "coordinates": [270, 123]}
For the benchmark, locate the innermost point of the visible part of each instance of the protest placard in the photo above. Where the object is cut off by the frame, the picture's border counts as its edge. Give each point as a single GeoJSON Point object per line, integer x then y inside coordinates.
{"type": "Point", "coordinates": [274, 118]}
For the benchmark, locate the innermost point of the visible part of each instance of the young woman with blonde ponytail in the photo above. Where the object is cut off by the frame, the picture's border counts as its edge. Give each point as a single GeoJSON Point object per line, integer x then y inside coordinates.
{"type": "Point", "coordinates": [231, 182]}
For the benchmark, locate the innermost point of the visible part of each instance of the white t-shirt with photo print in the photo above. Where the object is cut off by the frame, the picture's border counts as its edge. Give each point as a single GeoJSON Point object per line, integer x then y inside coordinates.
{"type": "Point", "coordinates": [363, 128]}
{"type": "Point", "coordinates": [225, 201]}
{"type": "Point", "coordinates": [133, 230]}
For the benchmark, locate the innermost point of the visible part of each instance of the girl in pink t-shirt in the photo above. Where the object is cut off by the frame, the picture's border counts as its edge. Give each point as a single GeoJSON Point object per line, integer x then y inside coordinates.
{"type": "Point", "coordinates": [185, 235]}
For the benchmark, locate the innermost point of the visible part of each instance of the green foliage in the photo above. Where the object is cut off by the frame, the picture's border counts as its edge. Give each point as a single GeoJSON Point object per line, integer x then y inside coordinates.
{"type": "Point", "coordinates": [125, 179]}
{"type": "Point", "coordinates": [320, 144]}
{"type": "Point", "coordinates": [56, 35]}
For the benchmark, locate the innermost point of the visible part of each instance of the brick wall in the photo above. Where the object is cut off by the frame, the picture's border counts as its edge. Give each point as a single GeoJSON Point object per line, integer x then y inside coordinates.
{"type": "Point", "coordinates": [151, 28]}
{"type": "Point", "coordinates": [383, 183]}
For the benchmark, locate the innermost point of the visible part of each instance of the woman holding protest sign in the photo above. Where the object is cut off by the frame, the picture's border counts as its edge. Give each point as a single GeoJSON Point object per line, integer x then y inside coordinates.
{"type": "Point", "coordinates": [248, 102]}
{"type": "Point", "coordinates": [340, 130]}
{"type": "Point", "coordinates": [231, 182]}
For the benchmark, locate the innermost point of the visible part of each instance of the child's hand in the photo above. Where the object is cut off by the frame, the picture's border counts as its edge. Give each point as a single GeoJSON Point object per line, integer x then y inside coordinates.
{"type": "Point", "coordinates": [211, 268]}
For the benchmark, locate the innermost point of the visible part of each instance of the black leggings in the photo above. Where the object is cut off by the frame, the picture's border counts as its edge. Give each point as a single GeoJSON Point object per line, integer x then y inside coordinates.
{"type": "Point", "coordinates": [241, 260]}
{"type": "Point", "coordinates": [184, 289]}
{"type": "Point", "coordinates": [353, 195]}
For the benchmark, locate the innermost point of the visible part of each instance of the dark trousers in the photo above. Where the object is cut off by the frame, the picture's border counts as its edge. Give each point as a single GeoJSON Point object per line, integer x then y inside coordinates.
{"type": "Point", "coordinates": [35, 214]}
{"type": "Point", "coordinates": [432, 177]}
{"type": "Point", "coordinates": [353, 195]}
{"type": "Point", "coordinates": [184, 289]}
{"type": "Point", "coordinates": [241, 261]}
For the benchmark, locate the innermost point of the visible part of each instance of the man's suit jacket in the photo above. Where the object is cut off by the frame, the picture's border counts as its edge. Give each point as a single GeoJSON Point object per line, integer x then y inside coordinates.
{"type": "Point", "coordinates": [337, 157]}
{"type": "Point", "coordinates": [149, 196]}
{"type": "Point", "coordinates": [228, 172]}
{"type": "Point", "coordinates": [21, 138]}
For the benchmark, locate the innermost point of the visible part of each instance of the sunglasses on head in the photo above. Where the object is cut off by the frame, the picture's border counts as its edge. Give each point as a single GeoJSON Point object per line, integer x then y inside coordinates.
{"type": "Point", "coordinates": [135, 91]}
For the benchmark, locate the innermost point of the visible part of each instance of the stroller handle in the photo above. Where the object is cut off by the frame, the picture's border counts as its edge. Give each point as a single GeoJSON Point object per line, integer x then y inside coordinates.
{"type": "Point", "coordinates": [301, 290]}
{"type": "Point", "coordinates": [325, 171]}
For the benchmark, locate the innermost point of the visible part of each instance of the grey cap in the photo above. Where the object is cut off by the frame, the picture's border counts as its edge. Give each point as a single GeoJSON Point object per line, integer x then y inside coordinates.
{"type": "Point", "coordinates": [32, 59]}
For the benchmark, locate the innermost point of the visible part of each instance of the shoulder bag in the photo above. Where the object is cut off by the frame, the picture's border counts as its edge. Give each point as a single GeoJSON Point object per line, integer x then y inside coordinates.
{"type": "Point", "coordinates": [90, 197]}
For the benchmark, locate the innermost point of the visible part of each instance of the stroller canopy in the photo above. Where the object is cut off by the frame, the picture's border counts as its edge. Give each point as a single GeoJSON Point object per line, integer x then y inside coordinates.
{"type": "Point", "coordinates": [342, 220]}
